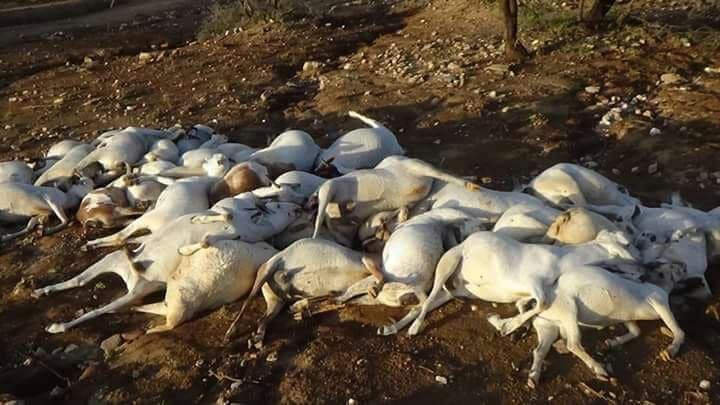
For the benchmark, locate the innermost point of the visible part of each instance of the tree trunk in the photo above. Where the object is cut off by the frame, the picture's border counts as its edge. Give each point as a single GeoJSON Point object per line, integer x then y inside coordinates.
{"type": "Point", "coordinates": [593, 14]}
{"type": "Point", "coordinates": [513, 48]}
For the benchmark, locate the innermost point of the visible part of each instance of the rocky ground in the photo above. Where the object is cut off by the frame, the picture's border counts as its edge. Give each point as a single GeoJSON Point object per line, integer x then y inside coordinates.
{"type": "Point", "coordinates": [639, 101]}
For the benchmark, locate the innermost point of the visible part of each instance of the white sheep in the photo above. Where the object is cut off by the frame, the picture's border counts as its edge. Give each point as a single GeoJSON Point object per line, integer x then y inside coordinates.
{"type": "Point", "coordinates": [291, 150]}
{"type": "Point", "coordinates": [362, 148]}
{"type": "Point", "coordinates": [395, 183]}
{"type": "Point", "coordinates": [578, 225]}
{"type": "Point", "coordinates": [24, 202]}
{"type": "Point", "coordinates": [148, 268]}
{"type": "Point", "coordinates": [594, 297]}
{"type": "Point", "coordinates": [567, 183]}
{"type": "Point", "coordinates": [183, 197]}
{"type": "Point", "coordinates": [64, 169]}
{"type": "Point", "coordinates": [526, 222]}
{"type": "Point", "coordinates": [309, 268]}
{"type": "Point", "coordinates": [480, 202]}
{"type": "Point", "coordinates": [15, 171]}
{"type": "Point", "coordinates": [410, 256]}
{"type": "Point", "coordinates": [496, 268]}
{"type": "Point", "coordinates": [208, 279]}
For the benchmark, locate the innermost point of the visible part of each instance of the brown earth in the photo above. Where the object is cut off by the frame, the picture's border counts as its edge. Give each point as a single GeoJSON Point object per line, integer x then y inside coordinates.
{"type": "Point", "coordinates": [434, 74]}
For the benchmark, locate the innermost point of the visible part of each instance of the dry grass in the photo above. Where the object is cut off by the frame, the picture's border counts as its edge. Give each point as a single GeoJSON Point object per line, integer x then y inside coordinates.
{"type": "Point", "coordinates": [229, 14]}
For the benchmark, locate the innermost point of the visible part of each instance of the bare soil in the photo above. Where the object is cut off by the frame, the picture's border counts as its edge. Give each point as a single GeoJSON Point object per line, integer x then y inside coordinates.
{"type": "Point", "coordinates": [435, 75]}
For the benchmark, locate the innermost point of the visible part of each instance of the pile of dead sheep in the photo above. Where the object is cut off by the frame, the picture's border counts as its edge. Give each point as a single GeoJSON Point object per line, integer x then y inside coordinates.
{"type": "Point", "coordinates": [210, 222]}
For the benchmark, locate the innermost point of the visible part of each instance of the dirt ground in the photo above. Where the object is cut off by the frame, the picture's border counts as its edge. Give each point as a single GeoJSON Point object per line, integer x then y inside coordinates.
{"type": "Point", "coordinates": [435, 75]}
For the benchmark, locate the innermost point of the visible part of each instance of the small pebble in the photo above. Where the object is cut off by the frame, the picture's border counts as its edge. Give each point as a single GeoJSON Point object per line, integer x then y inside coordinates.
{"type": "Point", "coordinates": [655, 131]}
{"type": "Point", "coordinates": [442, 380]}
{"type": "Point", "coordinates": [705, 384]}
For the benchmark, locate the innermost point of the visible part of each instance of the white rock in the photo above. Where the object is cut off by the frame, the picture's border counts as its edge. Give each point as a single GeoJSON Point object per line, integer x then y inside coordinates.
{"type": "Point", "coordinates": [655, 131]}
{"type": "Point", "coordinates": [442, 380]}
{"type": "Point", "coordinates": [144, 56]}
{"type": "Point", "coordinates": [592, 89]}
{"type": "Point", "coordinates": [311, 66]}
{"type": "Point", "coordinates": [671, 78]}
{"type": "Point", "coordinates": [653, 168]}
{"type": "Point", "coordinates": [705, 384]}
{"type": "Point", "coordinates": [351, 401]}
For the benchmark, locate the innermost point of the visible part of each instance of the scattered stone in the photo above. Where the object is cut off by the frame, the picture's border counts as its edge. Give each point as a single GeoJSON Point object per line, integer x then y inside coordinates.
{"type": "Point", "coordinates": [486, 180]}
{"type": "Point", "coordinates": [474, 308]}
{"type": "Point", "coordinates": [671, 78]}
{"type": "Point", "coordinates": [653, 168]}
{"type": "Point", "coordinates": [347, 66]}
{"type": "Point", "coordinates": [705, 385]}
{"type": "Point", "coordinates": [616, 172]}
{"type": "Point", "coordinates": [592, 89]}
{"type": "Point", "coordinates": [56, 392]}
{"type": "Point", "coordinates": [655, 131]}
{"type": "Point", "coordinates": [453, 66]}
{"type": "Point", "coordinates": [311, 66]}
{"type": "Point", "coordinates": [145, 56]}
{"type": "Point", "coordinates": [499, 68]}
{"type": "Point", "coordinates": [440, 379]}
{"type": "Point", "coordinates": [110, 344]}
{"type": "Point", "coordinates": [352, 402]}
{"type": "Point", "coordinates": [635, 169]}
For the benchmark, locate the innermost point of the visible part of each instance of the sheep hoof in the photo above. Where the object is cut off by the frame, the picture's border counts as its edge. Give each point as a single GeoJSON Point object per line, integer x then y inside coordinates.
{"type": "Point", "coordinates": [387, 330]}
{"type": "Point", "coordinates": [472, 186]}
{"type": "Point", "coordinates": [56, 328]}
{"type": "Point", "coordinates": [495, 321]}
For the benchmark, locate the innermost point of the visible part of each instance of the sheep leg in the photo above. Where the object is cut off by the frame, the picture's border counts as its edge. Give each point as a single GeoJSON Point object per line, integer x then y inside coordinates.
{"type": "Point", "coordinates": [666, 315]}
{"type": "Point", "coordinates": [112, 263]}
{"type": "Point", "coordinates": [32, 223]}
{"type": "Point", "coordinates": [447, 266]}
{"type": "Point", "coordinates": [633, 332]}
{"type": "Point", "coordinates": [274, 305]}
{"type": "Point", "coordinates": [158, 308]}
{"type": "Point", "coordinates": [443, 297]}
{"type": "Point", "coordinates": [118, 238]}
{"type": "Point", "coordinates": [547, 333]}
{"type": "Point", "coordinates": [309, 307]}
{"type": "Point", "coordinates": [372, 267]}
{"type": "Point", "coordinates": [206, 241]}
{"type": "Point", "coordinates": [140, 290]}
{"type": "Point", "coordinates": [60, 213]}
{"type": "Point", "coordinates": [210, 218]}
{"type": "Point", "coordinates": [573, 339]}
{"type": "Point", "coordinates": [359, 288]}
